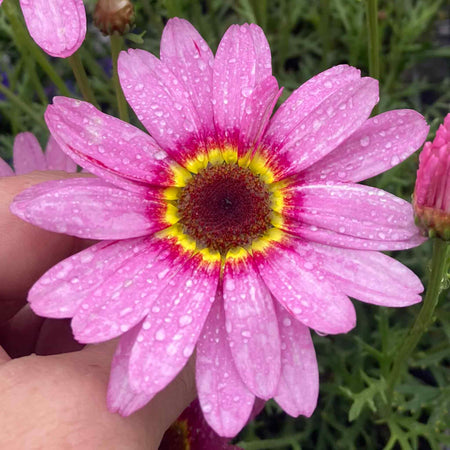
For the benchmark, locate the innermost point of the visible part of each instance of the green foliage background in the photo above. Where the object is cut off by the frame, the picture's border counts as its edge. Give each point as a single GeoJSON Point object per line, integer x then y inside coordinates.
{"type": "Point", "coordinates": [307, 37]}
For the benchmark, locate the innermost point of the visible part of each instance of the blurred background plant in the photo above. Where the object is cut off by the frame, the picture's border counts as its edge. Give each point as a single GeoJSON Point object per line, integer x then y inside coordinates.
{"type": "Point", "coordinates": [305, 37]}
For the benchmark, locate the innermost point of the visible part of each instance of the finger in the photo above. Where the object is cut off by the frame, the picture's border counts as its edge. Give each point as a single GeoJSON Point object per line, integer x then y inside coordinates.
{"type": "Point", "coordinates": [26, 251]}
{"type": "Point", "coordinates": [64, 397]}
{"type": "Point", "coordinates": [18, 335]}
{"type": "Point", "coordinates": [157, 416]}
{"type": "Point", "coordinates": [4, 357]}
{"type": "Point", "coordinates": [27, 333]}
{"type": "Point", "coordinates": [56, 337]}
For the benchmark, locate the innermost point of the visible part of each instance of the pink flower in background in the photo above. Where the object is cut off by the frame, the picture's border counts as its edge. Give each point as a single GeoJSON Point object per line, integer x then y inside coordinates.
{"type": "Point", "coordinates": [57, 26]}
{"type": "Point", "coordinates": [191, 432]}
{"type": "Point", "coordinates": [28, 156]}
{"type": "Point", "coordinates": [227, 230]}
{"type": "Point", "coordinates": [432, 190]}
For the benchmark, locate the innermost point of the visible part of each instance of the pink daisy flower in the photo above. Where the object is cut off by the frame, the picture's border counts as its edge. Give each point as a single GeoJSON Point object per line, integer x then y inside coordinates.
{"type": "Point", "coordinates": [28, 156]}
{"type": "Point", "coordinates": [225, 230]}
{"type": "Point", "coordinates": [432, 190]}
{"type": "Point", "coordinates": [57, 26]}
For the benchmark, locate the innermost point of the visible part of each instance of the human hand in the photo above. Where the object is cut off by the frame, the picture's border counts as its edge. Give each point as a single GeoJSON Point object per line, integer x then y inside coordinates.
{"type": "Point", "coordinates": [59, 400]}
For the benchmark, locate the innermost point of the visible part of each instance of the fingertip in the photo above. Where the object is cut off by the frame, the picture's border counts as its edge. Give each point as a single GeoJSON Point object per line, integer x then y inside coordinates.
{"type": "Point", "coordinates": [26, 251]}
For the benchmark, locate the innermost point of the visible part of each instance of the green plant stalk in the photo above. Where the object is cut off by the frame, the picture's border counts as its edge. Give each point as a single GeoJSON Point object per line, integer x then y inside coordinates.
{"type": "Point", "coordinates": [36, 82]}
{"type": "Point", "coordinates": [82, 79]}
{"type": "Point", "coordinates": [24, 41]}
{"type": "Point", "coordinates": [324, 31]}
{"type": "Point", "coordinates": [374, 41]}
{"type": "Point", "coordinates": [20, 39]}
{"type": "Point", "coordinates": [116, 47]}
{"type": "Point", "coordinates": [439, 267]}
{"type": "Point", "coordinates": [22, 105]}
{"type": "Point", "coordinates": [260, 9]}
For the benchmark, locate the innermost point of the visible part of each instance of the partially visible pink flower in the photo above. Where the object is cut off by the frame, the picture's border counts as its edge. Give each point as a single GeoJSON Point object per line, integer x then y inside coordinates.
{"type": "Point", "coordinates": [57, 26]}
{"type": "Point", "coordinates": [432, 190]}
{"type": "Point", "coordinates": [28, 156]}
{"type": "Point", "coordinates": [191, 432]}
{"type": "Point", "coordinates": [228, 231]}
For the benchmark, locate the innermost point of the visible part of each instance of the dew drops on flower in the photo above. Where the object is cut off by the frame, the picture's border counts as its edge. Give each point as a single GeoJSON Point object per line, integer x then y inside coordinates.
{"type": "Point", "coordinates": [227, 230]}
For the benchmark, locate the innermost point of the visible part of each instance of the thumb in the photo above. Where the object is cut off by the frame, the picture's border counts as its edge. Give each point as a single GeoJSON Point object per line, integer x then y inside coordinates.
{"type": "Point", "coordinates": [157, 416]}
{"type": "Point", "coordinates": [26, 251]}
{"type": "Point", "coordinates": [63, 397]}
{"type": "Point", "coordinates": [4, 357]}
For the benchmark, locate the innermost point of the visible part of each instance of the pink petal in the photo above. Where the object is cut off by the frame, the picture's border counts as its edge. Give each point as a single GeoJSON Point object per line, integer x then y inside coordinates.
{"type": "Point", "coordinates": [371, 276]}
{"type": "Point", "coordinates": [57, 26]}
{"type": "Point", "coordinates": [252, 328]}
{"type": "Point", "coordinates": [336, 239]}
{"type": "Point", "coordinates": [307, 98]}
{"type": "Point", "coordinates": [126, 297]}
{"type": "Point", "coordinates": [57, 159]}
{"type": "Point", "coordinates": [298, 388]}
{"type": "Point", "coordinates": [5, 169]}
{"type": "Point", "coordinates": [354, 210]}
{"type": "Point", "coordinates": [225, 400]}
{"type": "Point", "coordinates": [120, 397]}
{"type": "Point", "coordinates": [242, 63]}
{"type": "Point", "coordinates": [106, 146]}
{"type": "Point", "coordinates": [324, 128]}
{"type": "Point", "coordinates": [60, 291]}
{"type": "Point", "coordinates": [27, 154]}
{"type": "Point", "coordinates": [170, 331]}
{"type": "Point", "coordinates": [299, 283]}
{"type": "Point", "coordinates": [161, 102]}
{"type": "Point", "coordinates": [190, 59]}
{"type": "Point", "coordinates": [381, 143]}
{"type": "Point", "coordinates": [256, 114]}
{"type": "Point", "coordinates": [89, 208]}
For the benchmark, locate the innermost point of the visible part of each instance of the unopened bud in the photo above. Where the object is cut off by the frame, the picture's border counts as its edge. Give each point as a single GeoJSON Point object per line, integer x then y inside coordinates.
{"type": "Point", "coordinates": [432, 190]}
{"type": "Point", "coordinates": [114, 16]}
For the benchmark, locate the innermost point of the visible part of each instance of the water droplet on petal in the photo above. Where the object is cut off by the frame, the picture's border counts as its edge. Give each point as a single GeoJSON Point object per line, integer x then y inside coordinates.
{"type": "Point", "coordinates": [185, 320]}
{"type": "Point", "coordinates": [364, 141]}
{"type": "Point", "coordinates": [395, 160]}
{"type": "Point", "coordinates": [160, 335]}
{"type": "Point", "coordinates": [247, 91]}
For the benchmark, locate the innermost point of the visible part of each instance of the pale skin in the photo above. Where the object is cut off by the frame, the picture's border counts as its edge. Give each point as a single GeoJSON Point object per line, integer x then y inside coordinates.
{"type": "Point", "coordinates": [59, 400]}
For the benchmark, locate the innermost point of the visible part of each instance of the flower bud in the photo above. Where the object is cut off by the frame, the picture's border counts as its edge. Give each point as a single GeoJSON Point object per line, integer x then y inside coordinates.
{"type": "Point", "coordinates": [114, 16]}
{"type": "Point", "coordinates": [432, 190]}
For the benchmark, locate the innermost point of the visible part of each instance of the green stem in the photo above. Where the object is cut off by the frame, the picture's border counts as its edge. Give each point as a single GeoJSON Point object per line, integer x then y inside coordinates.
{"type": "Point", "coordinates": [425, 317]}
{"type": "Point", "coordinates": [82, 79]}
{"type": "Point", "coordinates": [116, 47]}
{"type": "Point", "coordinates": [25, 43]}
{"type": "Point", "coordinates": [22, 105]}
{"type": "Point", "coordinates": [324, 30]}
{"type": "Point", "coordinates": [20, 40]}
{"type": "Point", "coordinates": [36, 82]}
{"type": "Point", "coordinates": [374, 41]}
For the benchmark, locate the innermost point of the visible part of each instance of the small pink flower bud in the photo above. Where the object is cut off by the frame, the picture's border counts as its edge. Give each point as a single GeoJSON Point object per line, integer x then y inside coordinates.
{"type": "Point", "coordinates": [432, 190]}
{"type": "Point", "coordinates": [114, 16]}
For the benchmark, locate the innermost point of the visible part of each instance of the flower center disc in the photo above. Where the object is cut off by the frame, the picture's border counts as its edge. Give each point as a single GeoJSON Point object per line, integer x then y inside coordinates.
{"type": "Point", "coordinates": [224, 206]}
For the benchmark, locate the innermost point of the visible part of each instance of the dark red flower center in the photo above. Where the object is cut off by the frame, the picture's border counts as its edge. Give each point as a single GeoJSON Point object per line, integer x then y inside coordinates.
{"type": "Point", "coordinates": [224, 206]}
